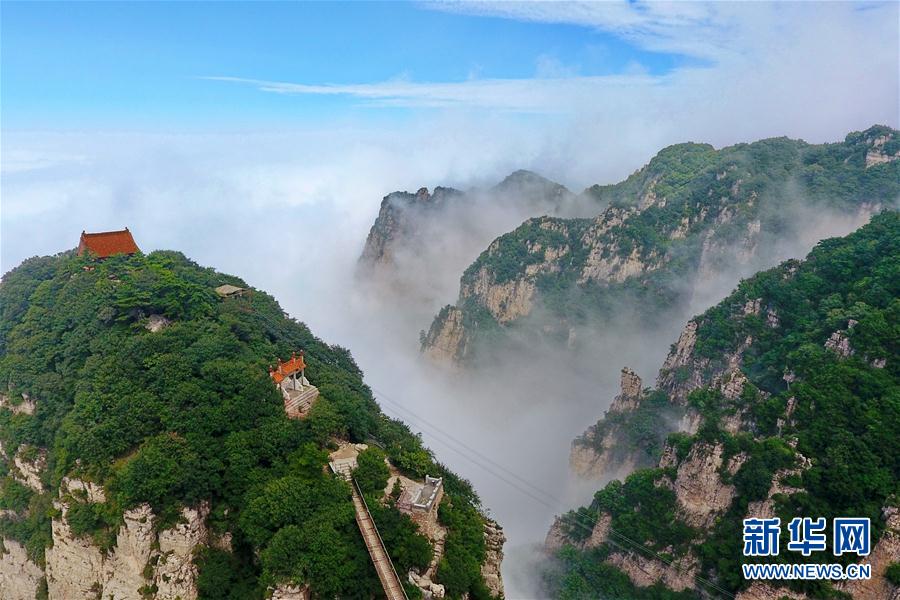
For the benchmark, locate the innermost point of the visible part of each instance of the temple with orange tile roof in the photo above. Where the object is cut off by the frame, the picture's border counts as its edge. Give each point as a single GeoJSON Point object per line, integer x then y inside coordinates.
{"type": "Point", "coordinates": [297, 392]}
{"type": "Point", "coordinates": [104, 244]}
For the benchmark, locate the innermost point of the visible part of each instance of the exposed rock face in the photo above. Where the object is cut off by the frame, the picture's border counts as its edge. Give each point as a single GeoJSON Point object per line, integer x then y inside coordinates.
{"type": "Point", "coordinates": [430, 589]}
{"type": "Point", "coordinates": [397, 222]}
{"type": "Point", "coordinates": [490, 570]}
{"type": "Point", "coordinates": [77, 569]}
{"type": "Point", "coordinates": [885, 553]}
{"type": "Point", "coordinates": [660, 226]}
{"type": "Point", "coordinates": [291, 592]}
{"type": "Point", "coordinates": [765, 509]}
{"type": "Point", "coordinates": [29, 464]}
{"type": "Point", "coordinates": [762, 590]}
{"type": "Point", "coordinates": [19, 576]}
{"type": "Point", "coordinates": [25, 407]}
{"type": "Point", "coordinates": [556, 538]}
{"type": "Point", "coordinates": [839, 342]}
{"type": "Point", "coordinates": [157, 323]}
{"type": "Point", "coordinates": [447, 338]}
{"type": "Point", "coordinates": [592, 454]}
{"type": "Point", "coordinates": [631, 391]}
{"type": "Point", "coordinates": [699, 490]}
{"type": "Point", "coordinates": [82, 490]}
{"type": "Point", "coordinates": [644, 571]}
{"type": "Point", "coordinates": [420, 243]}
{"type": "Point", "coordinates": [506, 301]}
{"type": "Point", "coordinates": [877, 154]}
{"type": "Point", "coordinates": [683, 371]}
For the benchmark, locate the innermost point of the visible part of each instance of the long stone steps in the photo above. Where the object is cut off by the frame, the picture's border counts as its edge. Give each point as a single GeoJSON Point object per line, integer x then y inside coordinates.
{"type": "Point", "coordinates": [390, 581]}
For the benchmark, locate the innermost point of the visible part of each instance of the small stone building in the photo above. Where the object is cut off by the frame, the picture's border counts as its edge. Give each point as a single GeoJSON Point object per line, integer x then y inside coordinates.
{"type": "Point", "coordinates": [421, 503]}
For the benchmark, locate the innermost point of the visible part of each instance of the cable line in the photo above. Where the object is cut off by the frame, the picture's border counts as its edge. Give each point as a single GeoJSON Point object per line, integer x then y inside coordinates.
{"type": "Point", "coordinates": [554, 502]}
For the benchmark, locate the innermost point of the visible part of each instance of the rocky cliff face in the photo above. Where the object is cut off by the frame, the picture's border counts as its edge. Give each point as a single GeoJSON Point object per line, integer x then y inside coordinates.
{"type": "Point", "coordinates": [144, 560]}
{"type": "Point", "coordinates": [490, 570]}
{"type": "Point", "coordinates": [692, 221]}
{"type": "Point", "coordinates": [400, 221]}
{"type": "Point", "coordinates": [420, 243]}
{"type": "Point", "coordinates": [755, 380]}
{"type": "Point", "coordinates": [20, 577]}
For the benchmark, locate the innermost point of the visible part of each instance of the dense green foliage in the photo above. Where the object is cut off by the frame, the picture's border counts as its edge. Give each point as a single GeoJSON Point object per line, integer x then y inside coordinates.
{"type": "Point", "coordinates": [188, 413]}
{"type": "Point", "coordinates": [640, 432]}
{"type": "Point", "coordinates": [464, 551]}
{"type": "Point", "coordinates": [580, 575]}
{"type": "Point", "coordinates": [844, 416]}
{"type": "Point", "coordinates": [695, 202]}
{"type": "Point", "coordinates": [372, 473]}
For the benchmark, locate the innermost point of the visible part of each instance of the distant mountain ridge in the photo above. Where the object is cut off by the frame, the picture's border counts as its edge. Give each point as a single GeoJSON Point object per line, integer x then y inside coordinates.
{"type": "Point", "coordinates": [419, 242]}
{"type": "Point", "coordinates": [693, 219]}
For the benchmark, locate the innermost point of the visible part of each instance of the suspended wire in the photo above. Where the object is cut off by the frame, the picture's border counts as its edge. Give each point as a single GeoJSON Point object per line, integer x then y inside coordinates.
{"type": "Point", "coordinates": [554, 503]}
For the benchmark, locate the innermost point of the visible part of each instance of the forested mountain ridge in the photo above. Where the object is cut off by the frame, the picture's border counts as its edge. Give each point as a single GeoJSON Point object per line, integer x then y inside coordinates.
{"type": "Point", "coordinates": [145, 452]}
{"type": "Point", "coordinates": [670, 233]}
{"type": "Point", "coordinates": [782, 400]}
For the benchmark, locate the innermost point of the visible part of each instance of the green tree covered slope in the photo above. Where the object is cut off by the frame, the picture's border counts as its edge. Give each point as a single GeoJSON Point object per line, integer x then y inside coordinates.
{"type": "Point", "coordinates": [788, 395]}
{"type": "Point", "coordinates": [186, 416]}
{"type": "Point", "coordinates": [671, 234]}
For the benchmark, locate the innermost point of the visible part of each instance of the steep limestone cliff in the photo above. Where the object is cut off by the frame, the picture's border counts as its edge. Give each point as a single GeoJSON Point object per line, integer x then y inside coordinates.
{"type": "Point", "coordinates": [143, 560]}
{"type": "Point", "coordinates": [673, 234]}
{"type": "Point", "coordinates": [490, 570]}
{"type": "Point", "coordinates": [419, 243]}
{"type": "Point", "coordinates": [770, 384]}
{"type": "Point", "coordinates": [20, 577]}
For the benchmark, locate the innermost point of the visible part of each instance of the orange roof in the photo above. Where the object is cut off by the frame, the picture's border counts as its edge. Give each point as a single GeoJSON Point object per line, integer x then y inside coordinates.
{"type": "Point", "coordinates": [286, 369]}
{"type": "Point", "coordinates": [107, 243]}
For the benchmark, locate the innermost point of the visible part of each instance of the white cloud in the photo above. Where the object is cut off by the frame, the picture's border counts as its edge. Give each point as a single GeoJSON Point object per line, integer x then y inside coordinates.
{"type": "Point", "coordinates": [797, 66]}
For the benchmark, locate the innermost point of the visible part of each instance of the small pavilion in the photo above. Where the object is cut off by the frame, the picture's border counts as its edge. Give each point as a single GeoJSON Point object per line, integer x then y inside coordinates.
{"type": "Point", "coordinates": [298, 393]}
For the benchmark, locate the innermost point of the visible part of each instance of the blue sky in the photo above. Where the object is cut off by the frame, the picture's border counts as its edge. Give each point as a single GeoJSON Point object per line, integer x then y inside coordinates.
{"type": "Point", "coordinates": [110, 111]}
{"type": "Point", "coordinates": [109, 65]}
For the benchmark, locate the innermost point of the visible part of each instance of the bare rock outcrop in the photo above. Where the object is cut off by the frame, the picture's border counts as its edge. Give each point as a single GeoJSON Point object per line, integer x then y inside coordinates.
{"type": "Point", "coordinates": [885, 553]}
{"type": "Point", "coordinates": [447, 339]}
{"type": "Point", "coordinates": [645, 571]}
{"type": "Point", "coordinates": [839, 341]}
{"type": "Point", "coordinates": [877, 155]}
{"type": "Point", "coordinates": [25, 407]}
{"type": "Point", "coordinates": [557, 538]}
{"type": "Point", "coordinates": [699, 491]}
{"type": "Point", "coordinates": [763, 590]}
{"type": "Point", "coordinates": [490, 570]}
{"type": "Point", "coordinates": [291, 592]}
{"type": "Point", "coordinates": [157, 323]}
{"type": "Point", "coordinates": [143, 558]}
{"type": "Point", "coordinates": [765, 509]}
{"type": "Point", "coordinates": [430, 589]}
{"type": "Point", "coordinates": [19, 576]}
{"type": "Point", "coordinates": [632, 388]}
{"type": "Point", "coordinates": [506, 301]}
{"type": "Point", "coordinates": [30, 463]}
{"type": "Point", "coordinates": [591, 455]}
